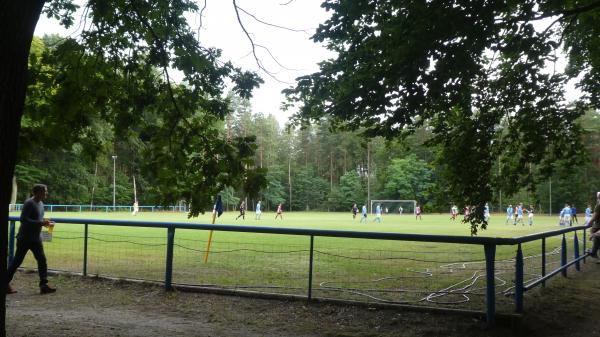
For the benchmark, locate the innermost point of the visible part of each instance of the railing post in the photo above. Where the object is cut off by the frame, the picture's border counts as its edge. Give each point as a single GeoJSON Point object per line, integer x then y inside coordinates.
{"type": "Point", "coordinates": [490, 293]}
{"type": "Point", "coordinates": [11, 242]}
{"type": "Point", "coordinates": [563, 256]}
{"type": "Point", "coordinates": [85, 249]}
{"type": "Point", "coordinates": [169, 264]}
{"type": "Point", "coordinates": [519, 280]}
{"type": "Point", "coordinates": [310, 267]}
{"type": "Point", "coordinates": [543, 260]}
{"type": "Point", "coordinates": [576, 251]}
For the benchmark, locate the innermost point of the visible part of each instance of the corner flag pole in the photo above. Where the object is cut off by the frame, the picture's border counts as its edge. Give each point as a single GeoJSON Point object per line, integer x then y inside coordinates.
{"type": "Point", "coordinates": [217, 211]}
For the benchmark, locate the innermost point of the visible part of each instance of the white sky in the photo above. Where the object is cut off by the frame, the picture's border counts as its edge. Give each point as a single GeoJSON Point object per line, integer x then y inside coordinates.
{"type": "Point", "coordinates": [220, 28]}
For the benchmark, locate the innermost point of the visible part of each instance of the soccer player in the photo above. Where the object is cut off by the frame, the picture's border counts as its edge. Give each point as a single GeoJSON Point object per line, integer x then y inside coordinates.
{"type": "Point", "coordinates": [258, 211]}
{"type": "Point", "coordinates": [566, 214]}
{"type": "Point", "coordinates": [520, 214]}
{"type": "Point", "coordinates": [279, 211]}
{"type": "Point", "coordinates": [574, 214]}
{"type": "Point", "coordinates": [486, 212]}
{"type": "Point", "coordinates": [377, 213]}
{"type": "Point", "coordinates": [136, 208]}
{"type": "Point", "coordinates": [418, 212]}
{"type": "Point", "coordinates": [400, 210]}
{"type": "Point", "coordinates": [354, 211]}
{"type": "Point", "coordinates": [588, 214]}
{"type": "Point", "coordinates": [509, 215]}
{"type": "Point", "coordinates": [530, 215]}
{"type": "Point", "coordinates": [242, 210]}
{"type": "Point", "coordinates": [364, 214]}
{"type": "Point", "coordinates": [453, 212]}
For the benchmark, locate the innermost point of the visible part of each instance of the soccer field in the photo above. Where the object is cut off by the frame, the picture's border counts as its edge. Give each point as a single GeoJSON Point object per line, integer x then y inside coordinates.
{"type": "Point", "coordinates": [357, 269]}
{"type": "Point", "coordinates": [431, 223]}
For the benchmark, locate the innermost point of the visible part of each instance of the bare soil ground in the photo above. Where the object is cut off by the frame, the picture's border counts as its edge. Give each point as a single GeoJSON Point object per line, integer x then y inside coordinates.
{"type": "Point", "coordinates": [92, 307]}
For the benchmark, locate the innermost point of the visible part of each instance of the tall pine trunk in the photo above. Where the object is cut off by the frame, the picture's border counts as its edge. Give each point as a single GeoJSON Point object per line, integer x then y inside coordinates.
{"type": "Point", "coordinates": [17, 24]}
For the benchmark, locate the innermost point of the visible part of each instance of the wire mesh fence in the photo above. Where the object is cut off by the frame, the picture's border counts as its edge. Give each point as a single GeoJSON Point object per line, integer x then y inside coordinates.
{"type": "Point", "coordinates": [444, 275]}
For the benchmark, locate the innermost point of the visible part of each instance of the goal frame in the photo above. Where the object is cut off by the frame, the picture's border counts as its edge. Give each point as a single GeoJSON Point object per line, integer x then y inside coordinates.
{"type": "Point", "coordinates": [414, 202]}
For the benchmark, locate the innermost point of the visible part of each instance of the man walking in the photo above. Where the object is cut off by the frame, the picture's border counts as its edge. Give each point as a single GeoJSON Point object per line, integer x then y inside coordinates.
{"type": "Point", "coordinates": [28, 238]}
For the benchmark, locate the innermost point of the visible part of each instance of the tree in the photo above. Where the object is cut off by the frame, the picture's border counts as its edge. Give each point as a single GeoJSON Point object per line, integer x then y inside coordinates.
{"type": "Point", "coordinates": [309, 190]}
{"type": "Point", "coordinates": [351, 189]}
{"type": "Point", "coordinates": [135, 38]}
{"type": "Point", "coordinates": [408, 178]}
{"type": "Point", "coordinates": [474, 73]}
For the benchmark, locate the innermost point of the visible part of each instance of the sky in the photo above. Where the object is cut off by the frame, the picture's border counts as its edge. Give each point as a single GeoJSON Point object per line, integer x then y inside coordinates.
{"type": "Point", "coordinates": [294, 52]}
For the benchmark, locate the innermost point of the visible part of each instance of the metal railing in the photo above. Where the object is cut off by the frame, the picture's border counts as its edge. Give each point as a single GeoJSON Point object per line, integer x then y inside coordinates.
{"type": "Point", "coordinates": [490, 245]}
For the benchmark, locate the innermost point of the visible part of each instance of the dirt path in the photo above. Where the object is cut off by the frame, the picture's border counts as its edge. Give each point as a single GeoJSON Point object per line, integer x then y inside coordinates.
{"type": "Point", "coordinates": [87, 307]}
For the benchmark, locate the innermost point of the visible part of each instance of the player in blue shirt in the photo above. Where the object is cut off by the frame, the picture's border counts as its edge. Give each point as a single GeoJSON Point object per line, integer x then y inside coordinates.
{"type": "Point", "coordinates": [509, 215]}
{"type": "Point", "coordinates": [377, 213]}
{"type": "Point", "coordinates": [258, 211]}
{"type": "Point", "coordinates": [588, 214]}
{"type": "Point", "coordinates": [566, 215]}
{"type": "Point", "coordinates": [364, 214]}
{"type": "Point", "coordinates": [574, 214]}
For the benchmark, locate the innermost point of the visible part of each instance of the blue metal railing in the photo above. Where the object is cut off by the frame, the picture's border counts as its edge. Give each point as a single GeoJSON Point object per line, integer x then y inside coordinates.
{"type": "Point", "coordinates": [489, 244]}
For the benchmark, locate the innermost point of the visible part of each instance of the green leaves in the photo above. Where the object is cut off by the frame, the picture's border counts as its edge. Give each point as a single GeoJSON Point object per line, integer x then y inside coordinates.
{"type": "Point", "coordinates": [113, 85]}
{"type": "Point", "coordinates": [475, 73]}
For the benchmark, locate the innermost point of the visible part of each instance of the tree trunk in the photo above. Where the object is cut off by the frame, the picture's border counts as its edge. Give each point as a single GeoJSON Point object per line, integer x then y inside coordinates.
{"type": "Point", "coordinates": [17, 24]}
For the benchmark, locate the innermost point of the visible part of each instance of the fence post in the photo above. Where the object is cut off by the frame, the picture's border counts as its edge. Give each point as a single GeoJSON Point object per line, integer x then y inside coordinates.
{"type": "Point", "coordinates": [310, 267]}
{"type": "Point", "coordinates": [85, 249]}
{"type": "Point", "coordinates": [490, 293]}
{"type": "Point", "coordinates": [11, 242]}
{"type": "Point", "coordinates": [543, 260]}
{"type": "Point", "coordinates": [169, 264]}
{"type": "Point", "coordinates": [519, 280]}
{"type": "Point", "coordinates": [576, 251]}
{"type": "Point", "coordinates": [563, 256]}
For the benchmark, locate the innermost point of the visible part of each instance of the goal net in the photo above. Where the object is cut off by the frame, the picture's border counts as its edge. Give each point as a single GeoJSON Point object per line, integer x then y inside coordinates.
{"type": "Point", "coordinates": [394, 206]}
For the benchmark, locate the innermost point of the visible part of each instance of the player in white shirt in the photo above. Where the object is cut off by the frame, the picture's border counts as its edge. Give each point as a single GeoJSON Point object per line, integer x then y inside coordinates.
{"type": "Point", "coordinates": [530, 216]}
{"type": "Point", "coordinates": [453, 212]}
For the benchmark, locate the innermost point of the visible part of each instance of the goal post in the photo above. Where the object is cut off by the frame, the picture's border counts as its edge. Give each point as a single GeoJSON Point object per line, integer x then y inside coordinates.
{"type": "Point", "coordinates": [395, 206]}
